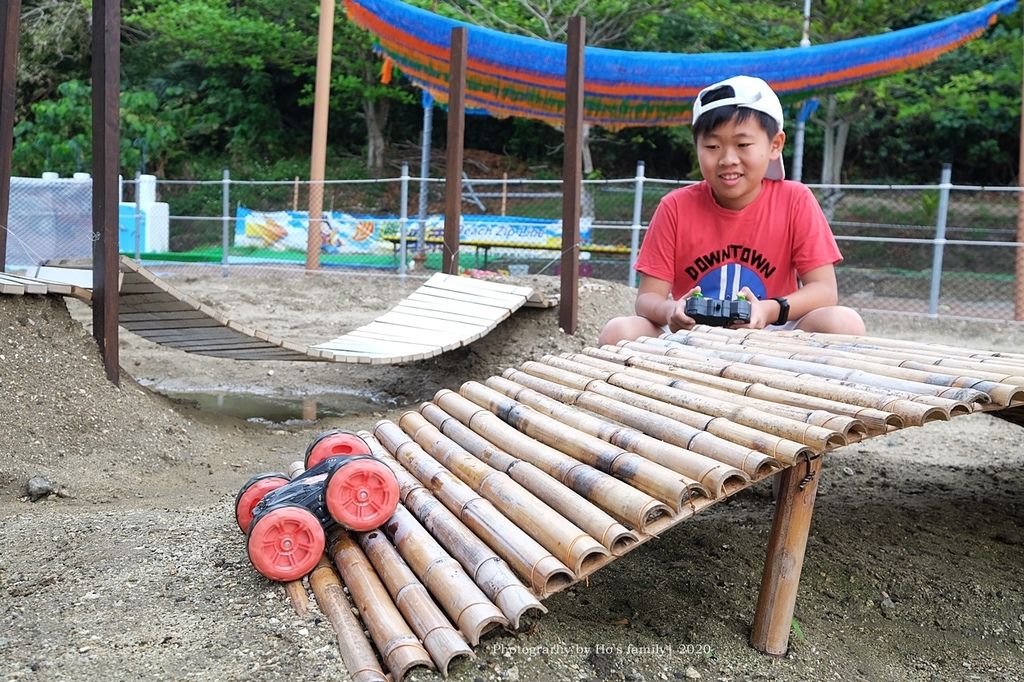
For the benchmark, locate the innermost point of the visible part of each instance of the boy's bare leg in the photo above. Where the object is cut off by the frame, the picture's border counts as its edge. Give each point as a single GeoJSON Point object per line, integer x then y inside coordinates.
{"type": "Point", "coordinates": [627, 329]}
{"type": "Point", "coordinates": [836, 319]}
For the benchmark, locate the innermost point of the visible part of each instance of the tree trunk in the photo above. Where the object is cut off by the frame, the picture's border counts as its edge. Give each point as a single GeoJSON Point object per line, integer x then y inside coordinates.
{"type": "Point", "coordinates": [836, 130]}
{"type": "Point", "coordinates": [376, 114]}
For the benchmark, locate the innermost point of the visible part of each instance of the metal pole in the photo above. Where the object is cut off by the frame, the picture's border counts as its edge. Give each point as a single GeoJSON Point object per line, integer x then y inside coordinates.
{"type": "Point", "coordinates": [225, 213]}
{"type": "Point", "coordinates": [138, 218]}
{"type": "Point", "coordinates": [638, 207]}
{"type": "Point", "coordinates": [797, 171]}
{"type": "Point", "coordinates": [403, 221]}
{"type": "Point", "coordinates": [940, 238]}
{"type": "Point", "coordinates": [421, 215]}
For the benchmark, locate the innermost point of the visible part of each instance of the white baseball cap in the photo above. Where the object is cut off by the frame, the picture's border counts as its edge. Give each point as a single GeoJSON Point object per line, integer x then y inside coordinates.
{"type": "Point", "coordinates": [752, 93]}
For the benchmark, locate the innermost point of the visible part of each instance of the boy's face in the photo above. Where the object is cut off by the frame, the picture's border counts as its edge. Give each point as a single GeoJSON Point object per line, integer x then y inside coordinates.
{"type": "Point", "coordinates": [734, 158]}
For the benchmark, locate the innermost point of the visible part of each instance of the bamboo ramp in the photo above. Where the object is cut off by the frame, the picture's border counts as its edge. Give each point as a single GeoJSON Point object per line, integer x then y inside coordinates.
{"type": "Point", "coordinates": [446, 313]}
{"type": "Point", "coordinates": [515, 487]}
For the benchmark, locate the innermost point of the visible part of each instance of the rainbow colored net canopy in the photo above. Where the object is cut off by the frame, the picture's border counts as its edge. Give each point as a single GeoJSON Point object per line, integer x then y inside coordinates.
{"type": "Point", "coordinates": [509, 75]}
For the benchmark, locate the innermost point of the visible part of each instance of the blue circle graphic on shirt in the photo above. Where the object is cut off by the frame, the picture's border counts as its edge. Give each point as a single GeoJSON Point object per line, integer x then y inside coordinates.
{"type": "Point", "coordinates": [727, 281]}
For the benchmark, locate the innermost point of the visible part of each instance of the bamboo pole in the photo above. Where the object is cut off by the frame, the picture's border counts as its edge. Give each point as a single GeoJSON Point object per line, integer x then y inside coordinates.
{"type": "Point", "coordinates": [356, 652]}
{"type": "Point", "coordinates": [738, 446]}
{"type": "Point", "coordinates": [655, 480]}
{"type": "Point", "coordinates": [442, 641]}
{"type": "Point", "coordinates": [561, 537]}
{"type": "Point", "coordinates": [786, 546]}
{"type": "Point", "coordinates": [624, 502]}
{"type": "Point", "coordinates": [294, 589]}
{"type": "Point", "coordinates": [700, 402]}
{"type": "Point", "coordinates": [1003, 383]}
{"type": "Point", "coordinates": [860, 373]}
{"type": "Point", "coordinates": [840, 389]}
{"type": "Point", "coordinates": [714, 478]}
{"type": "Point", "coordinates": [574, 507]}
{"type": "Point", "coordinates": [1001, 369]}
{"type": "Point", "coordinates": [818, 411]}
{"type": "Point", "coordinates": [398, 646]}
{"type": "Point", "coordinates": [640, 379]}
{"type": "Point", "coordinates": [915, 347]}
{"type": "Point", "coordinates": [999, 386]}
{"type": "Point", "coordinates": [460, 570]}
{"type": "Point", "coordinates": [528, 558]}
{"type": "Point", "coordinates": [879, 411]}
{"type": "Point", "coordinates": [457, 592]}
{"type": "Point", "coordinates": [625, 437]}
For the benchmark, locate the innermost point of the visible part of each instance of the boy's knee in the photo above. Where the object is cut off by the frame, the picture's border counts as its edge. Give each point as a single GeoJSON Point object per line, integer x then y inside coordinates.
{"type": "Point", "coordinates": [614, 330]}
{"type": "Point", "coordinates": [836, 319]}
{"type": "Point", "coordinates": [626, 329]}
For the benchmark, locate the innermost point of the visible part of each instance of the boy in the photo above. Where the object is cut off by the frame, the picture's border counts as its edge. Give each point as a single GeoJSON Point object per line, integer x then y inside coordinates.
{"type": "Point", "coordinates": [743, 230]}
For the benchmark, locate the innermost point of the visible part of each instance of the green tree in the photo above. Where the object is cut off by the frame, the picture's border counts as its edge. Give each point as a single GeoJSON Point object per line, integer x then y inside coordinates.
{"type": "Point", "coordinates": [53, 46]}
{"type": "Point", "coordinates": [231, 72]}
{"type": "Point", "coordinates": [57, 135]}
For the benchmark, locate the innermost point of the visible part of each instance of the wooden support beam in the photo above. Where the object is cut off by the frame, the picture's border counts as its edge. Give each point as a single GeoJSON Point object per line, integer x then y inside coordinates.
{"type": "Point", "coordinates": [10, 20]}
{"type": "Point", "coordinates": [568, 309]}
{"type": "Point", "coordinates": [106, 85]}
{"type": "Point", "coordinates": [1018, 289]}
{"type": "Point", "coordinates": [786, 546]}
{"type": "Point", "coordinates": [456, 134]}
{"type": "Point", "coordinates": [318, 155]}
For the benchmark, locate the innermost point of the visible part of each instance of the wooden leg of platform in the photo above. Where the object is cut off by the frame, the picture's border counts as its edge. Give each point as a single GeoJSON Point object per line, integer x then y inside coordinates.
{"type": "Point", "coordinates": [786, 546]}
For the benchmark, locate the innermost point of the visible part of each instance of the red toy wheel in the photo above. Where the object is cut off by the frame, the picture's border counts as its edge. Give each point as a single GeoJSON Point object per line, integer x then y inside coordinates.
{"type": "Point", "coordinates": [286, 543]}
{"type": "Point", "coordinates": [254, 490]}
{"type": "Point", "coordinates": [335, 444]}
{"type": "Point", "coordinates": [362, 494]}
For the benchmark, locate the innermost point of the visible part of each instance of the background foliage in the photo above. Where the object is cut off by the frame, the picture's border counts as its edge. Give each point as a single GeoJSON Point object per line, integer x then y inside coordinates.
{"type": "Point", "coordinates": [209, 84]}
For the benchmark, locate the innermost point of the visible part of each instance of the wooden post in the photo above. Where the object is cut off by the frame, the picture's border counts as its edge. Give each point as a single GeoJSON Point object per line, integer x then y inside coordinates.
{"type": "Point", "coordinates": [318, 156]}
{"type": "Point", "coordinates": [9, 23]}
{"type": "Point", "coordinates": [1018, 290]}
{"type": "Point", "coordinates": [106, 84]}
{"type": "Point", "coordinates": [504, 193]}
{"type": "Point", "coordinates": [786, 546]}
{"type": "Point", "coordinates": [456, 133]}
{"type": "Point", "coordinates": [568, 307]}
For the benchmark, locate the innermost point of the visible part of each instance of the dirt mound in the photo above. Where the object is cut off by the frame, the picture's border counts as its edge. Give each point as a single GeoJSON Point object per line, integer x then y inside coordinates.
{"type": "Point", "coordinates": [64, 420]}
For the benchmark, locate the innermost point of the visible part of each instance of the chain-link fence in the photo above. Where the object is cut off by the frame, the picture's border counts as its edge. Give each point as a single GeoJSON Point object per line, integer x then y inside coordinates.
{"type": "Point", "coordinates": [49, 219]}
{"type": "Point", "coordinates": [939, 249]}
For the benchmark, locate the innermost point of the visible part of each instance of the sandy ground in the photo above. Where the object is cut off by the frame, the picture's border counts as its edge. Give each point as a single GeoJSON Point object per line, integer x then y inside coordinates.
{"type": "Point", "coordinates": [135, 570]}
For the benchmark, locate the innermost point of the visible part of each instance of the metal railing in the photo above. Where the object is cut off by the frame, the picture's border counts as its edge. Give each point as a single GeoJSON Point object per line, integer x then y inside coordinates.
{"type": "Point", "coordinates": [939, 249]}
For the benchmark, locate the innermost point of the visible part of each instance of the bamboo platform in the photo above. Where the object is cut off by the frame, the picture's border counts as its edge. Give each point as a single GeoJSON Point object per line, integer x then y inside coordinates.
{"type": "Point", "coordinates": [446, 313]}
{"type": "Point", "coordinates": [516, 487]}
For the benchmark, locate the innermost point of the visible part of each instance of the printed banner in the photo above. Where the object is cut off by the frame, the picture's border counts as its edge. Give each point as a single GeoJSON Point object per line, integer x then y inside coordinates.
{"type": "Point", "coordinates": [365, 234]}
{"type": "Point", "coordinates": [287, 230]}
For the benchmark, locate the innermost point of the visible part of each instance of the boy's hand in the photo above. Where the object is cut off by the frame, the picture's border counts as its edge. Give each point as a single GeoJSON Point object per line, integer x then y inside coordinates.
{"type": "Point", "coordinates": [762, 313]}
{"type": "Point", "coordinates": [679, 319]}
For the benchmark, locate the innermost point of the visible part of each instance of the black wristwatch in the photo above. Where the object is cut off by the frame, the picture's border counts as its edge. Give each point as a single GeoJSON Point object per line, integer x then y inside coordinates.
{"type": "Point", "coordinates": [783, 310]}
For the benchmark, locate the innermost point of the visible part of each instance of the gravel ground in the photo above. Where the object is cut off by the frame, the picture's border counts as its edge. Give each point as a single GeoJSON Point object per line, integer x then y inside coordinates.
{"type": "Point", "coordinates": [133, 568]}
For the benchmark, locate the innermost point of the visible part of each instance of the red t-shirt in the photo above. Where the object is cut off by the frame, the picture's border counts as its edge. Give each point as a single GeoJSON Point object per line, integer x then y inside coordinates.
{"type": "Point", "coordinates": [765, 246]}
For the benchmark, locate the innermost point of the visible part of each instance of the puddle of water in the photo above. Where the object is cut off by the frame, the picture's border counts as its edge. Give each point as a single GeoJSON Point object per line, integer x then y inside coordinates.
{"type": "Point", "coordinates": [275, 409]}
